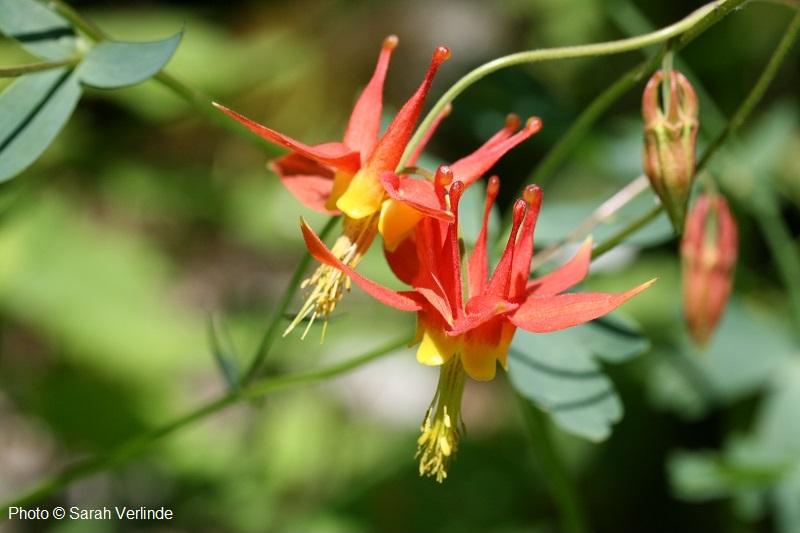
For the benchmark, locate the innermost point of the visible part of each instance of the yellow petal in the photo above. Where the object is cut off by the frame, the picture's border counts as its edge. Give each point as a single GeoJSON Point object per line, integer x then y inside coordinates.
{"type": "Point", "coordinates": [396, 221]}
{"type": "Point", "coordinates": [363, 197]}
{"type": "Point", "coordinates": [434, 350]}
{"type": "Point", "coordinates": [479, 361]}
{"type": "Point", "coordinates": [341, 180]}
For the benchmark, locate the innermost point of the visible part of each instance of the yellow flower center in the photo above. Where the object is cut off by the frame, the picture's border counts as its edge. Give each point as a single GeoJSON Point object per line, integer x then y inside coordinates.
{"type": "Point", "coordinates": [443, 426]}
{"type": "Point", "coordinates": [328, 284]}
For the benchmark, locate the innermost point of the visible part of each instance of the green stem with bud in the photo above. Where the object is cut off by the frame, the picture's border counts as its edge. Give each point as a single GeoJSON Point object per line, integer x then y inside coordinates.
{"type": "Point", "coordinates": [688, 27]}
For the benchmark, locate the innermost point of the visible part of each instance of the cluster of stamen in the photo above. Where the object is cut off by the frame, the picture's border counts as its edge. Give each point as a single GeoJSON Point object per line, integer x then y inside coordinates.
{"type": "Point", "coordinates": [442, 427]}
{"type": "Point", "coordinates": [329, 284]}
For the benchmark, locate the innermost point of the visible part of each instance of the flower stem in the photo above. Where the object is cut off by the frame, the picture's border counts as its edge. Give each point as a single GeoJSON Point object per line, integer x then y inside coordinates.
{"type": "Point", "coordinates": [739, 117]}
{"type": "Point", "coordinates": [271, 332]}
{"type": "Point", "coordinates": [21, 70]}
{"type": "Point", "coordinates": [140, 444]}
{"type": "Point", "coordinates": [554, 471]}
{"type": "Point", "coordinates": [691, 25]}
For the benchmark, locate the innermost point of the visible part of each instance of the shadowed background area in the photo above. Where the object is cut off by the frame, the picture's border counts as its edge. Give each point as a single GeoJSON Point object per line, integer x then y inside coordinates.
{"type": "Point", "coordinates": [145, 217]}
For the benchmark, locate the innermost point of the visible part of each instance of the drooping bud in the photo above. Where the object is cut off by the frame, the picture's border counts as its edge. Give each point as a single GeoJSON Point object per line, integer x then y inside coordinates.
{"type": "Point", "coordinates": [670, 137]}
{"type": "Point", "coordinates": [708, 253]}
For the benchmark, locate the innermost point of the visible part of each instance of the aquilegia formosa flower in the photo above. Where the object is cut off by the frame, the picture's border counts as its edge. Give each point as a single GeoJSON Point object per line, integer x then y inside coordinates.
{"type": "Point", "coordinates": [471, 337]}
{"type": "Point", "coordinates": [708, 253]}
{"type": "Point", "coordinates": [345, 177]}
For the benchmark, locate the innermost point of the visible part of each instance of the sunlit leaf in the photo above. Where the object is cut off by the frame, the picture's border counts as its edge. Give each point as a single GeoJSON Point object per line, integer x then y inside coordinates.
{"type": "Point", "coordinates": [559, 373]}
{"type": "Point", "coordinates": [38, 29]}
{"type": "Point", "coordinates": [34, 109]}
{"type": "Point", "coordinates": [114, 64]}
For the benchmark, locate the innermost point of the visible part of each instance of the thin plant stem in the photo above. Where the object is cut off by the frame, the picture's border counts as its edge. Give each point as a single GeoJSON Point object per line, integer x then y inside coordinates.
{"type": "Point", "coordinates": [757, 92]}
{"type": "Point", "coordinates": [607, 209]}
{"type": "Point", "coordinates": [554, 471]}
{"type": "Point", "coordinates": [692, 24]}
{"type": "Point", "coordinates": [138, 445]}
{"type": "Point", "coordinates": [619, 237]}
{"type": "Point", "coordinates": [21, 70]}
{"type": "Point", "coordinates": [271, 332]}
{"type": "Point", "coordinates": [739, 117]}
{"type": "Point", "coordinates": [194, 97]}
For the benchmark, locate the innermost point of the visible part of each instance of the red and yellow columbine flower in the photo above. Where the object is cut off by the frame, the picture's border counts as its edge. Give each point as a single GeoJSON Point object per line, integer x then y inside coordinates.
{"type": "Point", "coordinates": [708, 252]}
{"type": "Point", "coordinates": [346, 177]}
{"type": "Point", "coordinates": [471, 337]}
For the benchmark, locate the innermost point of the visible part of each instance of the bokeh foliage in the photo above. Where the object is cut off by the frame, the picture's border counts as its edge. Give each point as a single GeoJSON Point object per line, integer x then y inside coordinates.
{"type": "Point", "coordinates": [143, 217]}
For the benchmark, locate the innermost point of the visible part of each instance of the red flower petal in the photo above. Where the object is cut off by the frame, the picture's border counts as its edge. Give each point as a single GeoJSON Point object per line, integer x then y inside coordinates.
{"type": "Point", "coordinates": [480, 310]}
{"type": "Point", "coordinates": [336, 155]}
{"type": "Point", "coordinates": [391, 146]}
{"type": "Point", "coordinates": [403, 301]}
{"type": "Point", "coordinates": [403, 260]}
{"type": "Point", "coordinates": [567, 275]}
{"type": "Point", "coordinates": [365, 121]}
{"type": "Point", "coordinates": [478, 263]}
{"type": "Point", "coordinates": [523, 250]}
{"type": "Point", "coordinates": [420, 147]}
{"type": "Point", "coordinates": [307, 180]}
{"type": "Point", "coordinates": [470, 168]}
{"type": "Point", "coordinates": [544, 314]}
{"type": "Point", "coordinates": [419, 194]}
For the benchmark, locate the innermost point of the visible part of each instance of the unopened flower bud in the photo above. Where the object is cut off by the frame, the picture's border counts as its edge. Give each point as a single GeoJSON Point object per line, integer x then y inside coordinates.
{"type": "Point", "coordinates": [670, 136]}
{"type": "Point", "coordinates": [708, 253]}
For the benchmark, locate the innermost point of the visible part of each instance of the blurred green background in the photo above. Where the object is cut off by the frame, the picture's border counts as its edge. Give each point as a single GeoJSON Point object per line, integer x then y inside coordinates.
{"type": "Point", "coordinates": [145, 217]}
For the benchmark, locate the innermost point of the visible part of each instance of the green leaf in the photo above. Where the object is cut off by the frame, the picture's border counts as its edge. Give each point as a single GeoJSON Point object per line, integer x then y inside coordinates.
{"type": "Point", "coordinates": [748, 347]}
{"type": "Point", "coordinates": [558, 372]}
{"type": "Point", "coordinates": [114, 64]}
{"type": "Point", "coordinates": [34, 109]}
{"type": "Point", "coordinates": [39, 30]}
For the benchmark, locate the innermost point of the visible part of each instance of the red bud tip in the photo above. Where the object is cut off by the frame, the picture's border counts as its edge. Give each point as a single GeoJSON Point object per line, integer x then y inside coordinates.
{"type": "Point", "coordinates": [440, 55]}
{"type": "Point", "coordinates": [456, 190]}
{"type": "Point", "coordinates": [391, 42]}
{"type": "Point", "coordinates": [444, 175]}
{"type": "Point", "coordinates": [532, 195]}
{"type": "Point", "coordinates": [493, 187]}
{"type": "Point", "coordinates": [518, 214]}
{"type": "Point", "coordinates": [512, 122]}
{"type": "Point", "coordinates": [447, 110]}
{"type": "Point", "coordinates": [533, 125]}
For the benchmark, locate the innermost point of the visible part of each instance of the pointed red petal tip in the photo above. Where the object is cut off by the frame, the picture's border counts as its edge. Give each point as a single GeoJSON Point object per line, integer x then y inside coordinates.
{"type": "Point", "coordinates": [390, 42]}
{"type": "Point", "coordinates": [512, 122]}
{"type": "Point", "coordinates": [444, 176]}
{"type": "Point", "coordinates": [533, 196]}
{"type": "Point", "coordinates": [440, 55]}
{"type": "Point", "coordinates": [448, 108]}
{"type": "Point", "coordinates": [533, 125]}
{"type": "Point", "coordinates": [493, 188]}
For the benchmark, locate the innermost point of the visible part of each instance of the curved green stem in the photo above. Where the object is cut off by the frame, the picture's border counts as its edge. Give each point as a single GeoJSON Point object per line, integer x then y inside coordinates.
{"type": "Point", "coordinates": [21, 70]}
{"type": "Point", "coordinates": [692, 24]}
{"type": "Point", "coordinates": [271, 332]}
{"type": "Point", "coordinates": [138, 445]}
{"type": "Point", "coordinates": [737, 120]}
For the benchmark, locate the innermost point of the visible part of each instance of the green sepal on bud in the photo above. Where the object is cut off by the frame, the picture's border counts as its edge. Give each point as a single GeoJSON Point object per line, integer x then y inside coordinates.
{"type": "Point", "coordinates": [670, 139]}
